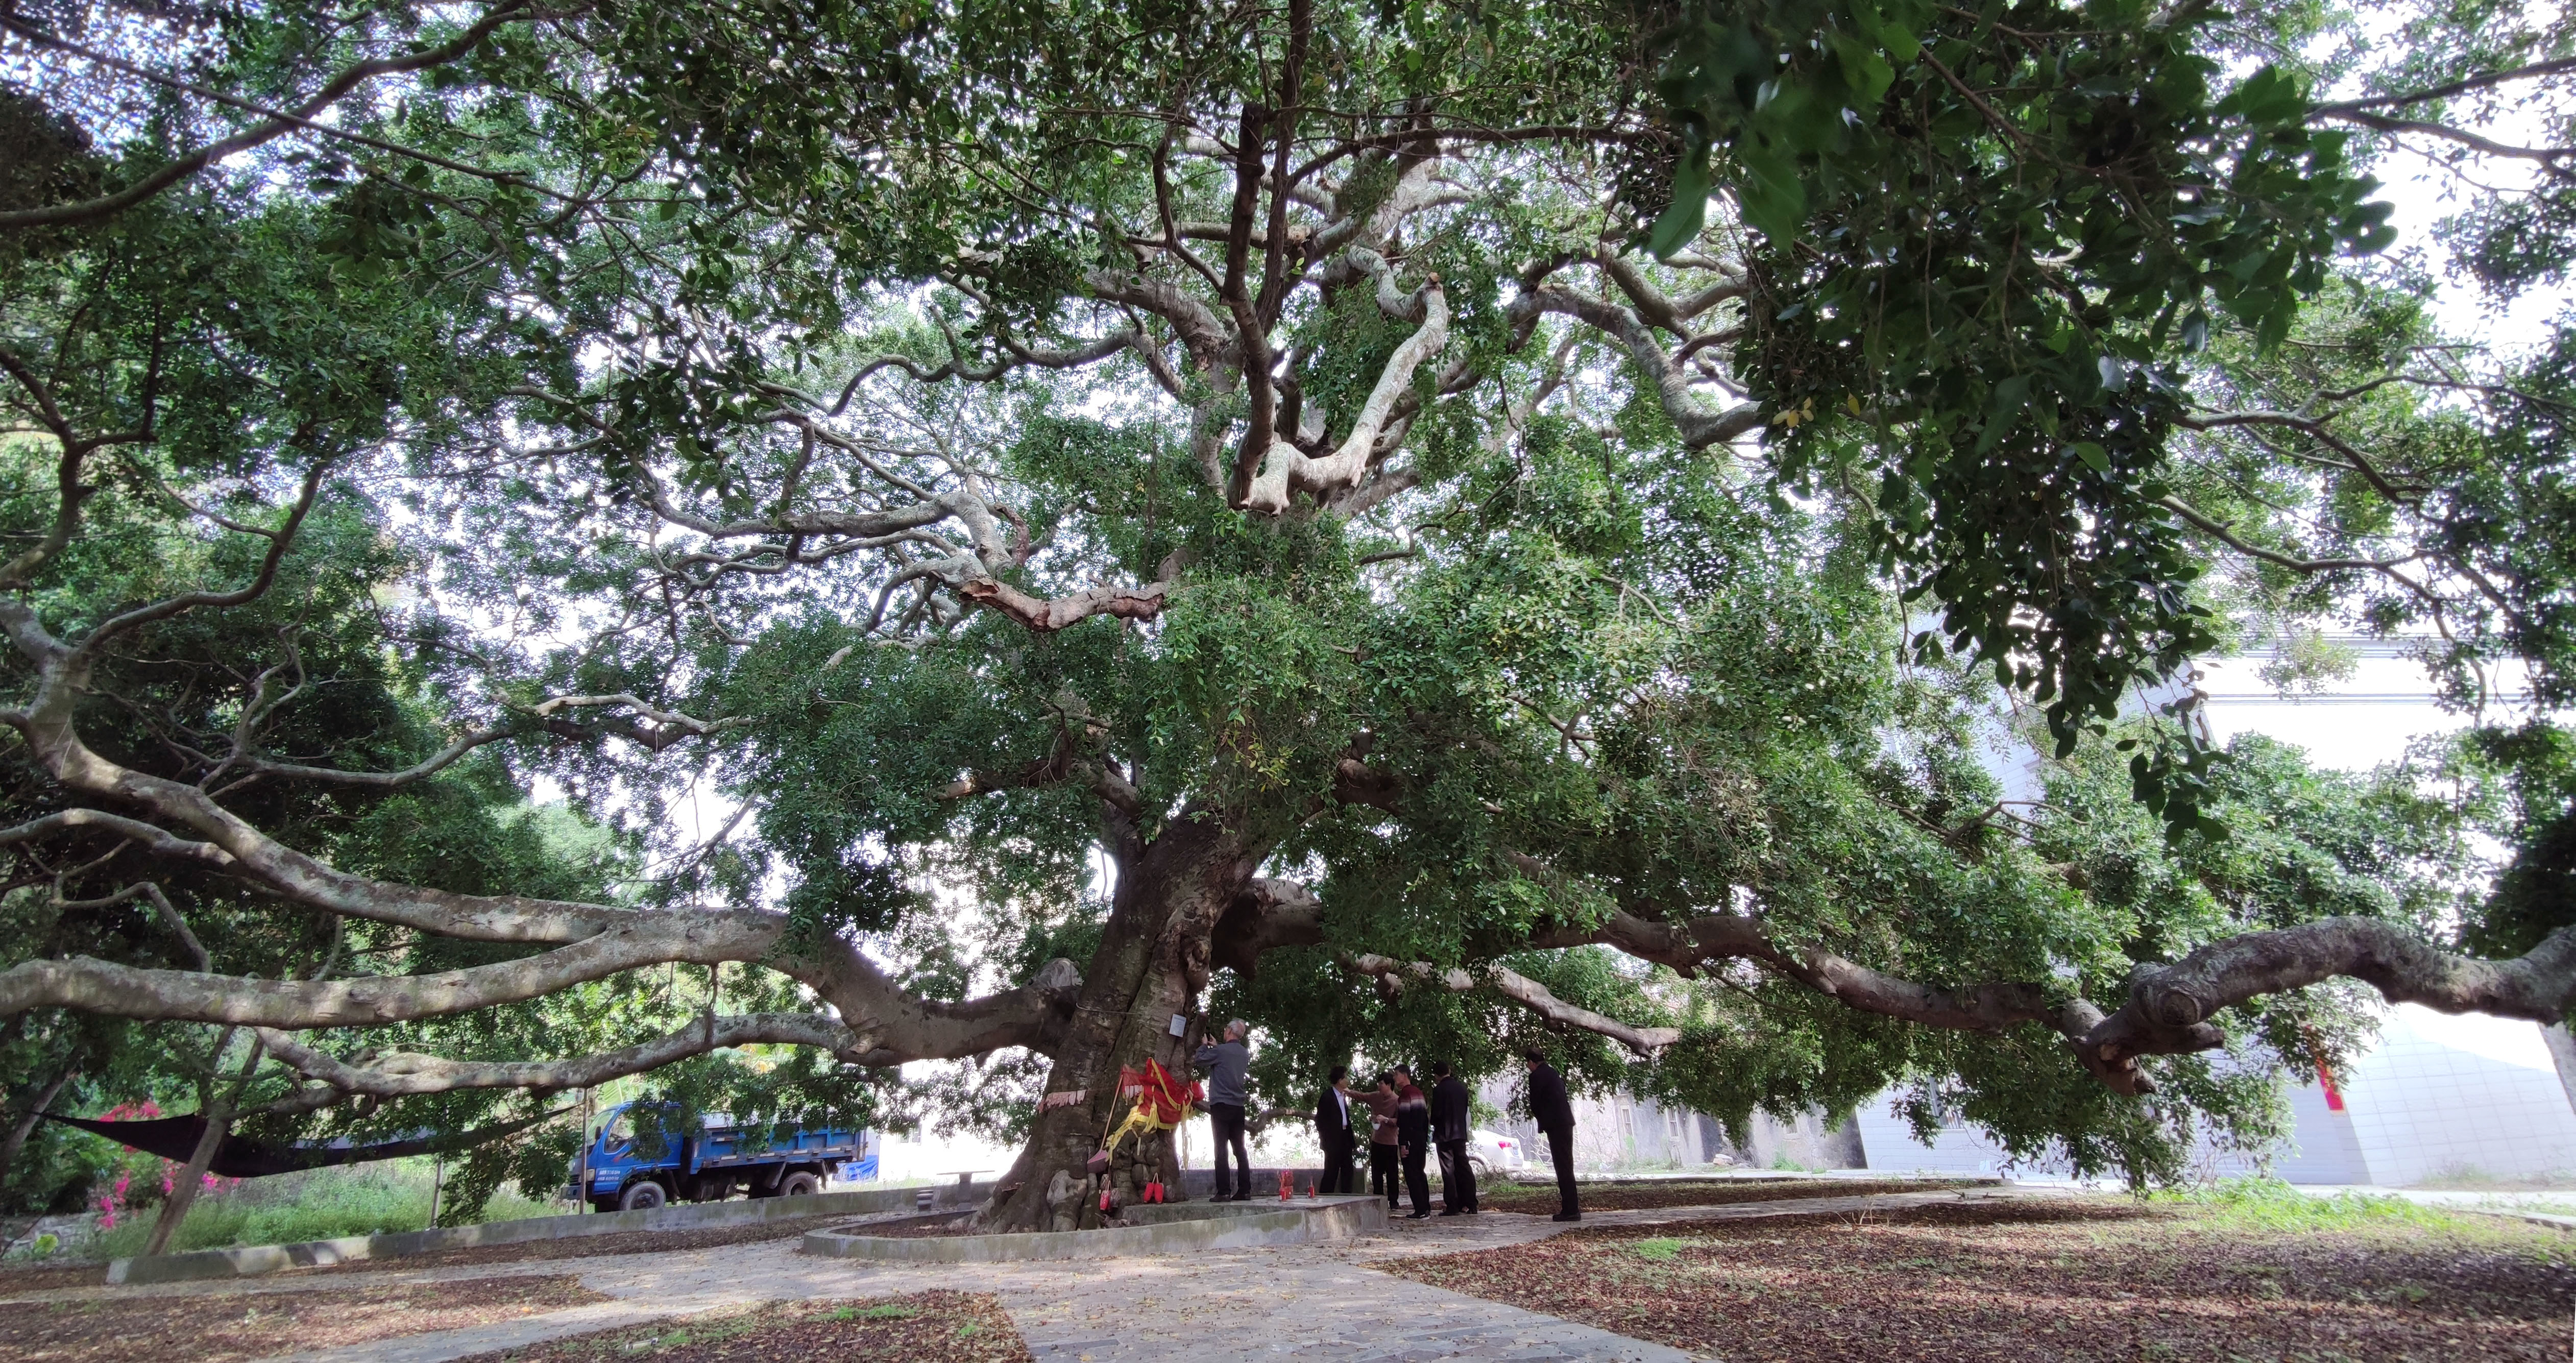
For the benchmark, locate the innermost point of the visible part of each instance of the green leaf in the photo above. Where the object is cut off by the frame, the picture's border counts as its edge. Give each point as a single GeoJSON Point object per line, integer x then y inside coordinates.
{"type": "Point", "coordinates": [1864, 70]}
{"type": "Point", "coordinates": [1771, 196]}
{"type": "Point", "coordinates": [1679, 226]}
{"type": "Point", "coordinates": [2003, 410]}
{"type": "Point", "coordinates": [1899, 41]}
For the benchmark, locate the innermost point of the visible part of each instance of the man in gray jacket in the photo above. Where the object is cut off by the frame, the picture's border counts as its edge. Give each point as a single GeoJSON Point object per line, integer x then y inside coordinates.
{"type": "Point", "coordinates": [1225, 1061]}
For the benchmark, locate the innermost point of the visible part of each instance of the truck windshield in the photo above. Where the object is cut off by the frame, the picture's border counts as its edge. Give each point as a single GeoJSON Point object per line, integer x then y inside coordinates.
{"type": "Point", "coordinates": [618, 1136]}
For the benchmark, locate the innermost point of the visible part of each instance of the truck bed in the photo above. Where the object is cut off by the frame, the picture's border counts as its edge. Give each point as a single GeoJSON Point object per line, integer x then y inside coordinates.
{"type": "Point", "coordinates": [730, 1147]}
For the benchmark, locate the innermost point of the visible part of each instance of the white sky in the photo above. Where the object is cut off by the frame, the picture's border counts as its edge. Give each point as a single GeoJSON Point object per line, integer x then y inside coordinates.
{"type": "Point", "coordinates": [2354, 725]}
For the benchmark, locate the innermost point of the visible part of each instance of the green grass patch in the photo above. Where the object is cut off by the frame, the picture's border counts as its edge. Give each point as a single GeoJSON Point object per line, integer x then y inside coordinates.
{"type": "Point", "coordinates": [1661, 1249]}
{"type": "Point", "coordinates": [2264, 1208]}
{"type": "Point", "coordinates": [2270, 1206]}
{"type": "Point", "coordinates": [324, 1204]}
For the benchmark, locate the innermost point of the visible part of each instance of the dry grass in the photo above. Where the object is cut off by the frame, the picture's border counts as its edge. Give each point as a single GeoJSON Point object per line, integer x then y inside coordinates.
{"type": "Point", "coordinates": [219, 1328]}
{"type": "Point", "coordinates": [2055, 1281]}
{"type": "Point", "coordinates": [1644, 1194]}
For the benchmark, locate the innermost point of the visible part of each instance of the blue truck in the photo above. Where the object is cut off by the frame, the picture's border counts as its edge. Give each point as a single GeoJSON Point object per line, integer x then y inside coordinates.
{"type": "Point", "coordinates": [644, 1155]}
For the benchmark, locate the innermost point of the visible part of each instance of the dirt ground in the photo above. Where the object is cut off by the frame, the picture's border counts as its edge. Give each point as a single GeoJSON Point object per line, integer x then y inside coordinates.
{"type": "Point", "coordinates": [2056, 1282]}
{"type": "Point", "coordinates": [14, 1281]}
{"type": "Point", "coordinates": [1540, 1199]}
{"type": "Point", "coordinates": [218, 1329]}
{"type": "Point", "coordinates": [929, 1327]}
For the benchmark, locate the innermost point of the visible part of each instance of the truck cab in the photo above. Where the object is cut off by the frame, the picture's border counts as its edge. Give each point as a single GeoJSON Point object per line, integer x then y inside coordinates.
{"type": "Point", "coordinates": [644, 1155]}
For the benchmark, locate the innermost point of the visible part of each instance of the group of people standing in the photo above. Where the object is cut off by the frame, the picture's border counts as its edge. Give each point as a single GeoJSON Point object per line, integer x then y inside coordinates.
{"type": "Point", "coordinates": [1403, 1127]}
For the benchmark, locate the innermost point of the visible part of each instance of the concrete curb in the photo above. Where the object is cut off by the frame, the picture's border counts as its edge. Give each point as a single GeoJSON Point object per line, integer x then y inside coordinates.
{"type": "Point", "coordinates": [252, 1260]}
{"type": "Point", "coordinates": [1189, 1228]}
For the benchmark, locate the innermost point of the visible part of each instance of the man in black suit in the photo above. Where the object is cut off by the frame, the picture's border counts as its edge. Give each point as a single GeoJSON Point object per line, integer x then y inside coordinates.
{"type": "Point", "coordinates": [1554, 1113]}
{"type": "Point", "coordinates": [1449, 1131]}
{"type": "Point", "coordinates": [1333, 1128]}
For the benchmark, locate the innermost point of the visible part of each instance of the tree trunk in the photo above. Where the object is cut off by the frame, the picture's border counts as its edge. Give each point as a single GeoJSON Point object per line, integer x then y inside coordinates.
{"type": "Point", "coordinates": [1152, 962]}
{"type": "Point", "coordinates": [220, 1102]}
{"type": "Point", "coordinates": [25, 1126]}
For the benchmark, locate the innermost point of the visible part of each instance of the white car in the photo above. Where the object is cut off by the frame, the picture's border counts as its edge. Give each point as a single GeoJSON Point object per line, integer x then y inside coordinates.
{"type": "Point", "coordinates": [1492, 1152]}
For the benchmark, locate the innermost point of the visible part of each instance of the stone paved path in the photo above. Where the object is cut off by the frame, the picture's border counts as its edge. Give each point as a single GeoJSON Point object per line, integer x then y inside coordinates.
{"type": "Point", "coordinates": [1305, 1302]}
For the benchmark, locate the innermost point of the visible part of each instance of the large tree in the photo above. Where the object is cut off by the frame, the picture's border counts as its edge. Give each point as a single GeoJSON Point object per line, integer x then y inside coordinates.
{"type": "Point", "coordinates": [1440, 524]}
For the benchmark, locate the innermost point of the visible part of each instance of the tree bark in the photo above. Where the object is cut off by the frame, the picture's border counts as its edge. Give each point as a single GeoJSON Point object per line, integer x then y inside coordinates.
{"type": "Point", "coordinates": [25, 1126]}
{"type": "Point", "coordinates": [1151, 964]}
{"type": "Point", "coordinates": [220, 1103]}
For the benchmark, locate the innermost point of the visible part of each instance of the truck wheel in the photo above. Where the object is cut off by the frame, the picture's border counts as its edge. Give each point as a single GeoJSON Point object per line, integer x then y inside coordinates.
{"type": "Point", "coordinates": [638, 1197]}
{"type": "Point", "coordinates": [799, 1184]}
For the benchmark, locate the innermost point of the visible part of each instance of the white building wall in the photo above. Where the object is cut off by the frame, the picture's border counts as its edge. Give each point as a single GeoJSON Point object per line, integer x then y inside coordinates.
{"type": "Point", "coordinates": [1617, 1132]}
{"type": "Point", "coordinates": [2325, 1146]}
{"type": "Point", "coordinates": [2444, 1095]}
{"type": "Point", "coordinates": [2438, 1096]}
{"type": "Point", "coordinates": [1889, 1142]}
{"type": "Point", "coordinates": [1624, 1133]}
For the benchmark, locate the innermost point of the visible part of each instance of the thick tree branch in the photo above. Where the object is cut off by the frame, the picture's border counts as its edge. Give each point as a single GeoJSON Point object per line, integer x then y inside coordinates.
{"type": "Point", "coordinates": [1267, 915]}
{"type": "Point", "coordinates": [1287, 470]}
{"type": "Point", "coordinates": [1251, 337]}
{"type": "Point", "coordinates": [2169, 1006]}
{"type": "Point", "coordinates": [1202, 332]}
{"type": "Point", "coordinates": [887, 1024]}
{"type": "Point", "coordinates": [1031, 1016]}
{"type": "Point", "coordinates": [1047, 616]}
{"type": "Point", "coordinates": [1076, 754]}
{"type": "Point", "coordinates": [115, 990]}
{"type": "Point", "coordinates": [1699, 427]}
{"type": "Point", "coordinates": [156, 841]}
{"type": "Point", "coordinates": [403, 1074]}
{"type": "Point", "coordinates": [1656, 309]}
{"type": "Point", "coordinates": [1393, 975]}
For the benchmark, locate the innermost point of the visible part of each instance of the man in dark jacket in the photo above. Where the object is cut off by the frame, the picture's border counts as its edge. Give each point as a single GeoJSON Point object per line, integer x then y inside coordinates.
{"type": "Point", "coordinates": [1225, 1062]}
{"type": "Point", "coordinates": [1449, 1131]}
{"type": "Point", "coordinates": [1413, 1140]}
{"type": "Point", "coordinates": [1333, 1130]}
{"type": "Point", "coordinates": [1554, 1113]}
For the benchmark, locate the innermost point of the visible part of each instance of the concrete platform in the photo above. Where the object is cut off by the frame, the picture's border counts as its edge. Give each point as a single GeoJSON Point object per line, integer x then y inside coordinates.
{"type": "Point", "coordinates": [1187, 1228]}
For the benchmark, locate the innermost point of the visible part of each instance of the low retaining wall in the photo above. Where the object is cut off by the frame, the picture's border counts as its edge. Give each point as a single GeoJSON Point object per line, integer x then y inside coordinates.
{"type": "Point", "coordinates": [251, 1260]}
{"type": "Point", "coordinates": [1187, 1228]}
